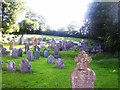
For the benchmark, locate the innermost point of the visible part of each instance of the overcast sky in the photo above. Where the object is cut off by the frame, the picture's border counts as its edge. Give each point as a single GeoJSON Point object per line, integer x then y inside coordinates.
{"type": "Point", "coordinates": [60, 13]}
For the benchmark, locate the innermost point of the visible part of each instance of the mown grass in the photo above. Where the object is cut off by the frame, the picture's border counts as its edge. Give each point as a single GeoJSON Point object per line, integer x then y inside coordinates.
{"type": "Point", "coordinates": [47, 76]}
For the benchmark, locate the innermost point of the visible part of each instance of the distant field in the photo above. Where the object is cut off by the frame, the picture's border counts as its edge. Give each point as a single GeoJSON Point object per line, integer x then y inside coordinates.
{"type": "Point", "coordinates": [47, 76]}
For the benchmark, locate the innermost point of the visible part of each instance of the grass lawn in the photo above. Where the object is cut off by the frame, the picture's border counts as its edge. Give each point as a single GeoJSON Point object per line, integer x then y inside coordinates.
{"type": "Point", "coordinates": [47, 76]}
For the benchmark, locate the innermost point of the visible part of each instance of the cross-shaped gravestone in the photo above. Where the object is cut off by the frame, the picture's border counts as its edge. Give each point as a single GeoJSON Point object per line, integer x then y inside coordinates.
{"type": "Point", "coordinates": [83, 76]}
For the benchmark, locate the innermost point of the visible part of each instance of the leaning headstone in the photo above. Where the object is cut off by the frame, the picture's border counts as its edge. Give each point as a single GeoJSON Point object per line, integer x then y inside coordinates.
{"type": "Point", "coordinates": [51, 59]}
{"type": "Point", "coordinates": [26, 47]}
{"type": "Point", "coordinates": [14, 53]}
{"type": "Point", "coordinates": [36, 54]}
{"type": "Point", "coordinates": [29, 55]}
{"type": "Point", "coordinates": [59, 63]}
{"type": "Point", "coordinates": [25, 66]}
{"type": "Point", "coordinates": [83, 76]}
{"type": "Point", "coordinates": [56, 52]}
{"type": "Point", "coordinates": [11, 66]}
{"type": "Point", "coordinates": [11, 44]}
{"type": "Point", "coordinates": [46, 53]}
{"type": "Point", "coordinates": [20, 52]}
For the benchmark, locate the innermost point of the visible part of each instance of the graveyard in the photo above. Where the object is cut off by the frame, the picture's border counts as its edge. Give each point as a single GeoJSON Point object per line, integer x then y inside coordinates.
{"type": "Point", "coordinates": [63, 44]}
{"type": "Point", "coordinates": [46, 75]}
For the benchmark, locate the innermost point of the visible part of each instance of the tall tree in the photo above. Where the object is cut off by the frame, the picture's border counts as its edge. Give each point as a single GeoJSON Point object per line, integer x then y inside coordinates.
{"type": "Point", "coordinates": [27, 25]}
{"type": "Point", "coordinates": [37, 17]}
{"type": "Point", "coordinates": [10, 11]}
{"type": "Point", "coordinates": [103, 20]}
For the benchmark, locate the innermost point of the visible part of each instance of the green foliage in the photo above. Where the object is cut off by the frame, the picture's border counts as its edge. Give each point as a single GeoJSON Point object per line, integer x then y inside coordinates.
{"type": "Point", "coordinates": [27, 25]}
{"type": "Point", "coordinates": [38, 18]}
{"type": "Point", "coordinates": [103, 24]}
{"type": "Point", "coordinates": [10, 12]}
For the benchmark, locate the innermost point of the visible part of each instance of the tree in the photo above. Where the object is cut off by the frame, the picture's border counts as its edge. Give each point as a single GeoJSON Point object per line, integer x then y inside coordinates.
{"type": "Point", "coordinates": [73, 28]}
{"type": "Point", "coordinates": [27, 25]}
{"type": "Point", "coordinates": [103, 22]}
{"type": "Point", "coordinates": [38, 18]}
{"type": "Point", "coordinates": [10, 12]}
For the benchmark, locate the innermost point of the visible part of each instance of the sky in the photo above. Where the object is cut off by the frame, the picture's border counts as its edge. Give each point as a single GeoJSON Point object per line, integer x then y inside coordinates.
{"type": "Point", "coordinates": [60, 13]}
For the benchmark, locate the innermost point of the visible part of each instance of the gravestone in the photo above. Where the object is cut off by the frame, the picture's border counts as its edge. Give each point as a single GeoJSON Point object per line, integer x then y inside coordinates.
{"type": "Point", "coordinates": [35, 42]}
{"type": "Point", "coordinates": [26, 47]}
{"type": "Point", "coordinates": [75, 47]}
{"type": "Point", "coordinates": [42, 44]}
{"type": "Point", "coordinates": [29, 55]}
{"type": "Point", "coordinates": [36, 54]}
{"type": "Point", "coordinates": [68, 45]}
{"type": "Point", "coordinates": [83, 76]}
{"type": "Point", "coordinates": [61, 48]}
{"type": "Point", "coordinates": [11, 44]}
{"type": "Point", "coordinates": [36, 48]}
{"type": "Point", "coordinates": [46, 53]}
{"type": "Point", "coordinates": [14, 53]}
{"type": "Point", "coordinates": [52, 44]}
{"type": "Point", "coordinates": [65, 45]}
{"type": "Point", "coordinates": [11, 66]}
{"type": "Point", "coordinates": [83, 46]}
{"type": "Point", "coordinates": [51, 59]}
{"type": "Point", "coordinates": [56, 52]}
{"type": "Point", "coordinates": [59, 63]}
{"type": "Point", "coordinates": [3, 51]}
{"type": "Point", "coordinates": [20, 52]}
{"type": "Point", "coordinates": [25, 66]}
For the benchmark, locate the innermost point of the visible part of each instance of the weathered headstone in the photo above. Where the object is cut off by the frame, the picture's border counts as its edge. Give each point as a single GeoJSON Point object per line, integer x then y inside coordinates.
{"type": "Point", "coordinates": [56, 52]}
{"type": "Point", "coordinates": [50, 59]}
{"type": "Point", "coordinates": [25, 66]}
{"type": "Point", "coordinates": [29, 55]}
{"type": "Point", "coordinates": [11, 66]}
{"type": "Point", "coordinates": [3, 51]}
{"type": "Point", "coordinates": [36, 54]}
{"type": "Point", "coordinates": [26, 47]}
{"type": "Point", "coordinates": [11, 44]}
{"type": "Point", "coordinates": [46, 53]}
{"type": "Point", "coordinates": [20, 52]}
{"type": "Point", "coordinates": [82, 76]}
{"type": "Point", "coordinates": [14, 53]}
{"type": "Point", "coordinates": [60, 63]}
